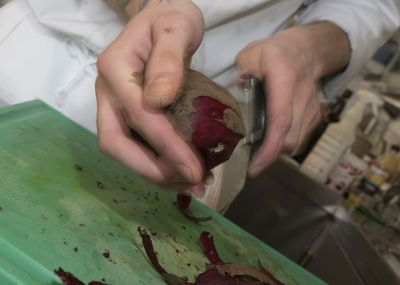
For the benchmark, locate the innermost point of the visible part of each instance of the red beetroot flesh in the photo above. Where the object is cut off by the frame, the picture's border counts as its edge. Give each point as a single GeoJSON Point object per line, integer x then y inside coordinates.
{"type": "Point", "coordinates": [209, 107]}
{"type": "Point", "coordinates": [216, 148]}
{"type": "Point", "coordinates": [208, 117]}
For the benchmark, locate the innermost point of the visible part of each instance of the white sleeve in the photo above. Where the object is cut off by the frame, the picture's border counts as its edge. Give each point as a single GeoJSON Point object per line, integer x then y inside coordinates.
{"type": "Point", "coordinates": [217, 11]}
{"type": "Point", "coordinates": [90, 23]}
{"type": "Point", "coordinates": [368, 24]}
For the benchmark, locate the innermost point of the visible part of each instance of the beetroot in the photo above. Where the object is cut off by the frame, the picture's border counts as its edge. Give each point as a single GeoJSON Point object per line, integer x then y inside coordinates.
{"type": "Point", "coordinates": [209, 119]}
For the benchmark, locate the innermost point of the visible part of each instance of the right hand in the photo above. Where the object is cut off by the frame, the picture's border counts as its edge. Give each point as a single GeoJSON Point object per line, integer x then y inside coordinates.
{"type": "Point", "coordinates": [158, 42]}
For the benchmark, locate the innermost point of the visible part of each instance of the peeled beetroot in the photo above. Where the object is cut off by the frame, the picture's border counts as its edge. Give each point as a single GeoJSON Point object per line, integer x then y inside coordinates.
{"type": "Point", "coordinates": [208, 118]}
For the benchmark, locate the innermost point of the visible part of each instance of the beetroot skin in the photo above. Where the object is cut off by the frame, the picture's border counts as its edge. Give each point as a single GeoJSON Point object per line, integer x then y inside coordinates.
{"type": "Point", "coordinates": [217, 272]}
{"type": "Point", "coordinates": [208, 118]}
{"type": "Point", "coordinates": [69, 279]}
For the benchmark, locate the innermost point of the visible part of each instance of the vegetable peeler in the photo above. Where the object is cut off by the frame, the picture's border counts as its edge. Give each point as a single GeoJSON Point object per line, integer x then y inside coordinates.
{"type": "Point", "coordinates": [254, 111]}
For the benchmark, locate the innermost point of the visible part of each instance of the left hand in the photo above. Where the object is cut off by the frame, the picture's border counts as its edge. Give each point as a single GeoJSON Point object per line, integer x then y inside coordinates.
{"type": "Point", "coordinates": [158, 42]}
{"type": "Point", "coordinates": [291, 64]}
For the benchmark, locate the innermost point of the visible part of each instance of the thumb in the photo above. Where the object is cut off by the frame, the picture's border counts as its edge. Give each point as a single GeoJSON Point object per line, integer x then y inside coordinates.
{"type": "Point", "coordinates": [165, 67]}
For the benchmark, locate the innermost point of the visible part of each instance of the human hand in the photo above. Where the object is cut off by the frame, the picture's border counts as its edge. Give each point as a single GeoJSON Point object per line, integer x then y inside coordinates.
{"type": "Point", "coordinates": [291, 64]}
{"type": "Point", "coordinates": [158, 42]}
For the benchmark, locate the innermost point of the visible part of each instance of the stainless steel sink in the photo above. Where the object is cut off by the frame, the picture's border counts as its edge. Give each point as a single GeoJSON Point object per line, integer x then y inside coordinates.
{"type": "Point", "coordinates": [304, 221]}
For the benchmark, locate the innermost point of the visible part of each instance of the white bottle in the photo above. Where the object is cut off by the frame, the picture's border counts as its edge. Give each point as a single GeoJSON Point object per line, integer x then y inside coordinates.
{"type": "Point", "coordinates": [338, 137]}
{"type": "Point", "coordinates": [350, 167]}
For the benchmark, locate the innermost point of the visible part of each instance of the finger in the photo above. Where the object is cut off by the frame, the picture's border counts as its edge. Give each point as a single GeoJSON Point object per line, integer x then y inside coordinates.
{"type": "Point", "coordinates": [279, 121]}
{"type": "Point", "coordinates": [172, 45]}
{"type": "Point", "coordinates": [196, 191]}
{"type": "Point", "coordinates": [248, 60]}
{"type": "Point", "coordinates": [117, 66]}
{"type": "Point", "coordinates": [151, 123]}
{"type": "Point", "coordinates": [303, 108]}
{"type": "Point", "coordinates": [310, 122]}
{"type": "Point", "coordinates": [114, 140]}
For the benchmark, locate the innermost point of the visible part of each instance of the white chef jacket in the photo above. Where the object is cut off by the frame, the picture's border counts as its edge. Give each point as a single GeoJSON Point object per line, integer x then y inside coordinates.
{"type": "Point", "coordinates": [48, 48]}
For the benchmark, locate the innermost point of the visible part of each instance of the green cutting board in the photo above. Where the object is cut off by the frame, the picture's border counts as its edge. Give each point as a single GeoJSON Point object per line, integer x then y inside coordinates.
{"type": "Point", "coordinates": [63, 204]}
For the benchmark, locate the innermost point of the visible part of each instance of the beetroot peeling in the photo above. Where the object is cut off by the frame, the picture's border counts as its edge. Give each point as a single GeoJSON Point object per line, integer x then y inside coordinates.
{"type": "Point", "coordinates": [208, 118]}
{"type": "Point", "coordinates": [207, 243]}
{"type": "Point", "coordinates": [183, 202]}
{"type": "Point", "coordinates": [217, 273]}
{"type": "Point", "coordinates": [69, 279]}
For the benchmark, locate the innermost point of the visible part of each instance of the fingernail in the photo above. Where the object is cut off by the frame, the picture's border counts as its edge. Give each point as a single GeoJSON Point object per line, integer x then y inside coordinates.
{"type": "Point", "coordinates": [186, 172]}
{"type": "Point", "coordinates": [160, 87]}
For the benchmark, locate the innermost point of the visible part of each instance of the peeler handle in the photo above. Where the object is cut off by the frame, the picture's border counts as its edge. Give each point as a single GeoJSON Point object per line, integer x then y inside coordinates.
{"type": "Point", "coordinates": [255, 113]}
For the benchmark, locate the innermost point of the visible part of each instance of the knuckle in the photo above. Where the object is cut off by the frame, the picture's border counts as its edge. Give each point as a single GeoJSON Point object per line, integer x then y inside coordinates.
{"type": "Point", "coordinates": [108, 140]}
{"type": "Point", "coordinates": [252, 45]}
{"type": "Point", "coordinates": [246, 52]}
{"type": "Point", "coordinates": [104, 142]}
{"type": "Point", "coordinates": [131, 117]}
{"type": "Point", "coordinates": [182, 25]}
{"type": "Point", "coordinates": [172, 21]}
{"type": "Point", "coordinates": [99, 85]}
{"type": "Point", "coordinates": [180, 20]}
{"type": "Point", "coordinates": [240, 58]}
{"type": "Point", "coordinates": [169, 59]}
{"type": "Point", "coordinates": [273, 49]}
{"type": "Point", "coordinates": [103, 62]}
